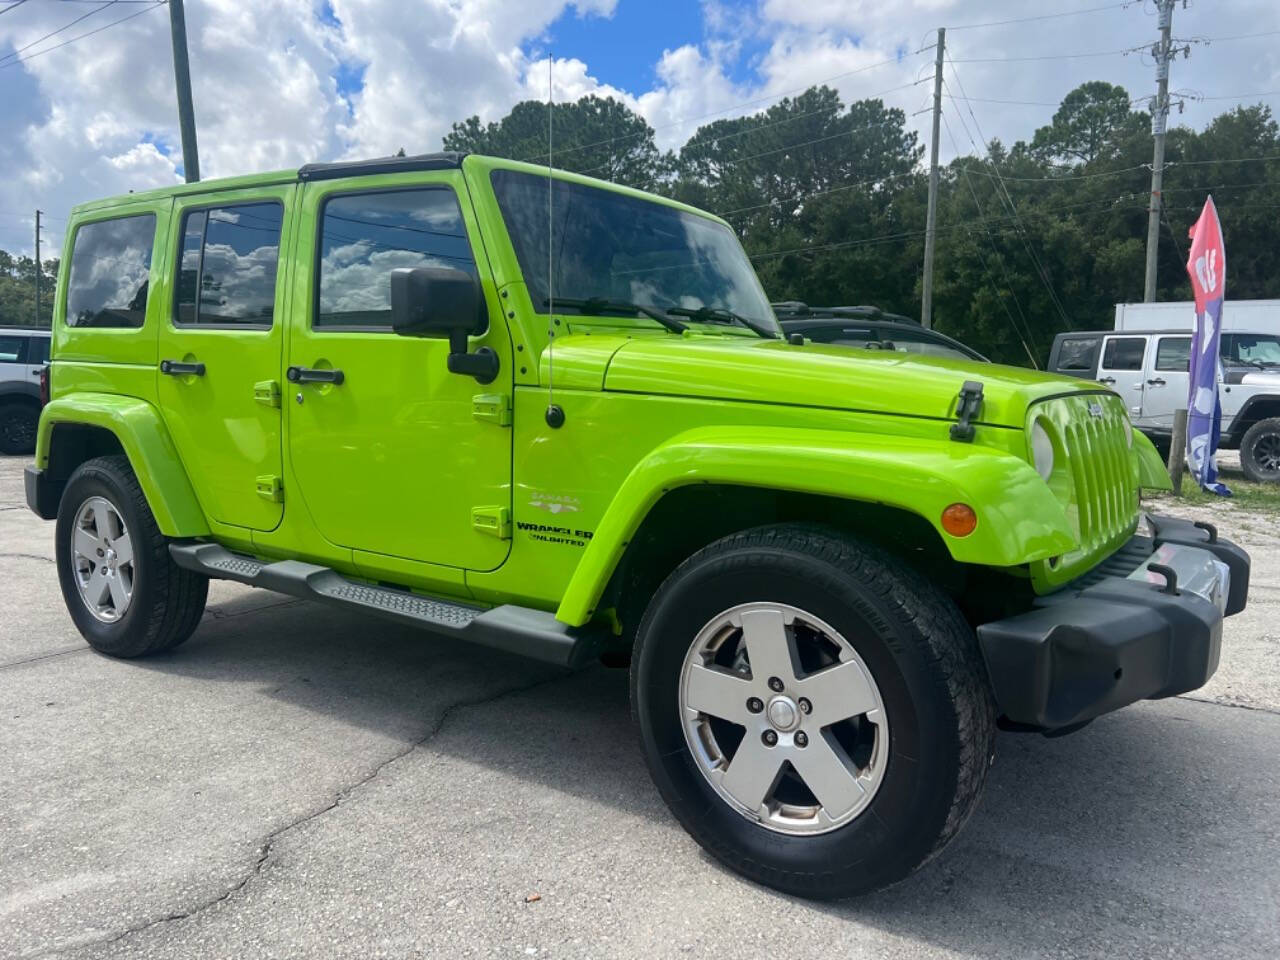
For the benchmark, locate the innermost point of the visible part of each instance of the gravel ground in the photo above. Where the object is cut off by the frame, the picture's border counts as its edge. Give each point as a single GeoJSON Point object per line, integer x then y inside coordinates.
{"type": "Point", "coordinates": [296, 781]}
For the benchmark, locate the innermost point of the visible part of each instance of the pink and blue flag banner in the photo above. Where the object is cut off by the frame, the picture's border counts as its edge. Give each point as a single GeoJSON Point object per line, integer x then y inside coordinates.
{"type": "Point", "coordinates": [1207, 266]}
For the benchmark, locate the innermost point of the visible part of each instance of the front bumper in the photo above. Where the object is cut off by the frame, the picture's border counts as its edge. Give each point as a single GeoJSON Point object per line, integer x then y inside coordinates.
{"type": "Point", "coordinates": [1146, 623]}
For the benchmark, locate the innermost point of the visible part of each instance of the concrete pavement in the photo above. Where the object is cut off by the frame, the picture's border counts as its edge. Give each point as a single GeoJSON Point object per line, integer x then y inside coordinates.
{"type": "Point", "coordinates": [297, 781]}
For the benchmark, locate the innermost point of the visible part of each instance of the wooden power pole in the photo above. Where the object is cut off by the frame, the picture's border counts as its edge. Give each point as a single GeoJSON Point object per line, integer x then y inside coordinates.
{"type": "Point", "coordinates": [182, 81]}
{"type": "Point", "coordinates": [931, 218]}
{"type": "Point", "coordinates": [38, 268]}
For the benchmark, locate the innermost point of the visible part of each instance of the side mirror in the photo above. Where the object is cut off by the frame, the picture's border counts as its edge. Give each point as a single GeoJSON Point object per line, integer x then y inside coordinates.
{"type": "Point", "coordinates": [443, 302]}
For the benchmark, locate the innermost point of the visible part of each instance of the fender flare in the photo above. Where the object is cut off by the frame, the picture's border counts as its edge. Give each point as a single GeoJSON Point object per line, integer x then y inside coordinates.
{"type": "Point", "coordinates": [137, 425]}
{"type": "Point", "coordinates": [1019, 518]}
{"type": "Point", "coordinates": [1152, 472]}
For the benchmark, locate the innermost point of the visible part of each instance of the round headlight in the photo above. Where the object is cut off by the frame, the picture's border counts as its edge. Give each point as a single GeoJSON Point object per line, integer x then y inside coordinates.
{"type": "Point", "coordinates": [1128, 432]}
{"type": "Point", "coordinates": [1041, 451]}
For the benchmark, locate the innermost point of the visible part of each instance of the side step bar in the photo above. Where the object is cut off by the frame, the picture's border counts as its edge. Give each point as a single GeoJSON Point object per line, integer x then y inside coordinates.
{"type": "Point", "coordinates": [519, 630]}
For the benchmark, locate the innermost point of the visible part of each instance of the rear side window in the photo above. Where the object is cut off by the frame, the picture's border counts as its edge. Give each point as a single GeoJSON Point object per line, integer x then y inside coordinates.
{"type": "Point", "coordinates": [10, 349]}
{"type": "Point", "coordinates": [1173, 354]}
{"type": "Point", "coordinates": [1077, 353]}
{"type": "Point", "coordinates": [110, 269]}
{"type": "Point", "coordinates": [1124, 353]}
{"type": "Point", "coordinates": [364, 237]}
{"type": "Point", "coordinates": [38, 350]}
{"type": "Point", "coordinates": [227, 268]}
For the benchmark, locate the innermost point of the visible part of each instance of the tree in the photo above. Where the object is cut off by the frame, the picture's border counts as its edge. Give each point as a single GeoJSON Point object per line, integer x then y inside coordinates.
{"type": "Point", "coordinates": [598, 136]}
{"type": "Point", "coordinates": [1086, 123]}
{"type": "Point", "coordinates": [18, 291]}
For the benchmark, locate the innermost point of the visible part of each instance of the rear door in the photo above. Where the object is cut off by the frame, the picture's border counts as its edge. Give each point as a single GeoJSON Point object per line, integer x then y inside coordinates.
{"type": "Point", "coordinates": [13, 348]}
{"type": "Point", "coordinates": [220, 350]}
{"type": "Point", "coordinates": [1122, 369]}
{"type": "Point", "coordinates": [1166, 382]}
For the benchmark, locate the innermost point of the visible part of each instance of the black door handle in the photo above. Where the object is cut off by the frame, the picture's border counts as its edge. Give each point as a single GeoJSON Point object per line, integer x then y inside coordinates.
{"type": "Point", "coordinates": [312, 375]}
{"type": "Point", "coordinates": [1106, 379]}
{"type": "Point", "coordinates": [175, 368]}
{"type": "Point", "coordinates": [1158, 381]}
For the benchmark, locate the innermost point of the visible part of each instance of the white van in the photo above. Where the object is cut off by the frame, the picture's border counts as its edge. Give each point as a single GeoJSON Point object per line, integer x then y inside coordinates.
{"type": "Point", "coordinates": [1149, 370]}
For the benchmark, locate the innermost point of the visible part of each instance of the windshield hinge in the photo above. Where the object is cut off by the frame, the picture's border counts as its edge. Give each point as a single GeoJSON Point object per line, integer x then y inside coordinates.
{"type": "Point", "coordinates": [492, 408]}
{"type": "Point", "coordinates": [968, 406]}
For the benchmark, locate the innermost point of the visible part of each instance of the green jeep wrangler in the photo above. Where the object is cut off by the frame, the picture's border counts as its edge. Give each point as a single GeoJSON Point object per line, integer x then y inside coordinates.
{"type": "Point", "coordinates": [556, 416]}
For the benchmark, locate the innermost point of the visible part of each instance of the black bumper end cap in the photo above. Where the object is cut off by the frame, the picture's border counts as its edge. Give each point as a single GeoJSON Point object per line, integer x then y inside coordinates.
{"type": "Point", "coordinates": [39, 493]}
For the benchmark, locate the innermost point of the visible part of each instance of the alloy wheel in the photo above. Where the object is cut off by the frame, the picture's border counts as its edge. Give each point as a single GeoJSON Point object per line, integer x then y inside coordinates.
{"type": "Point", "coordinates": [102, 555]}
{"type": "Point", "coordinates": [783, 718]}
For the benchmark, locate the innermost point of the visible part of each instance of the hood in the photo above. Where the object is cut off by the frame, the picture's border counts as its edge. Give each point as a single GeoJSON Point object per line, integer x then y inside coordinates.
{"type": "Point", "coordinates": [833, 377]}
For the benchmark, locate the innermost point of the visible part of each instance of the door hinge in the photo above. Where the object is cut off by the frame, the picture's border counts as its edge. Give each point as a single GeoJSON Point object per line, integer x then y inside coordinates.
{"type": "Point", "coordinates": [495, 521]}
{"type": "Point", "coordinates": [492, 408]}
{"type": "Point", "coordinates": [270, 488]}
{"type": "Point", "coordinates": [267, 393]}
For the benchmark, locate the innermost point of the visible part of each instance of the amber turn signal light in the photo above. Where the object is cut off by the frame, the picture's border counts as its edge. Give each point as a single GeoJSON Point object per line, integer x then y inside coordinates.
{"type": "Point", "coordinates": [959, 520]}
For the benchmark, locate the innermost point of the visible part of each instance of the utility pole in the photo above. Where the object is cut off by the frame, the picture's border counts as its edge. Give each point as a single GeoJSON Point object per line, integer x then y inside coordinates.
{"type": "Point", "coordinates": [182, 80]}
{"type": "Point", "coordinates": [931, 219]}
{"type": "Point", "coordinates": [1163, 54]}
{"type": "Point", "coordinates": [38, 270]}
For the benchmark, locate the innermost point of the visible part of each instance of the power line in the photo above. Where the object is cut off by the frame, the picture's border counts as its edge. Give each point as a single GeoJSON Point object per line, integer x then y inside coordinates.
{"type": "Point", "coordinates": [1046, 16]}
{"type": "Point", "coordinates": [90, 33]}
{"type": "Point", "coordinates": [67, 26]}
{"type": "Point", "coordinates": [1047, 56]}
{"type": "Point", "coordinates": [12, 6]}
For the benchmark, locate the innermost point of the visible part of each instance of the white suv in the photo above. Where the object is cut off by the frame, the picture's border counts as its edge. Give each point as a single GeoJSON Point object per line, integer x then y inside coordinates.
{"type": "Point", "coordinates": [1149, 370]}
{"type": "Point", "coordinates": [24, 351]}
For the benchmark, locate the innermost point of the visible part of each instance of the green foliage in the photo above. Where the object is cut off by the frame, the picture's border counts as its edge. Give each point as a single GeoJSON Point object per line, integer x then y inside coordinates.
{"type": "Point", "coordinates": [18, 291]}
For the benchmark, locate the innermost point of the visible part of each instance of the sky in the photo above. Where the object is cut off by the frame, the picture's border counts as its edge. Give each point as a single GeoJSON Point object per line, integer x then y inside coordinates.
{"type": "Point", "coordinates": [278, 83]}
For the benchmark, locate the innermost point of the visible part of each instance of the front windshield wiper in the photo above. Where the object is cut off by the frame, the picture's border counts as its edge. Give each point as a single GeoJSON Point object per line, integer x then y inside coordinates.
{"type": "Point", "coordinates": [720, 315]}
{"type": "Point", "coordinates": [603, 305]}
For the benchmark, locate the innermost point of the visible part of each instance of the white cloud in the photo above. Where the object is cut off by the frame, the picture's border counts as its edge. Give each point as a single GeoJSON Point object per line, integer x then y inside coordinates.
{"type": "Point", "coordinates": [98, 116]}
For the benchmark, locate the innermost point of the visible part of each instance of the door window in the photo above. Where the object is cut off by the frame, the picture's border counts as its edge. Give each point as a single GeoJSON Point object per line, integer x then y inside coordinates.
{"type": "Point", "coordinates": [1124, 353]}
{"type": "Point", "coordinates": [1173, 354]}
{"type": "Point", "coordinates": [1077, 353]}
{"type": "Point", "coordinates": [363, 237]}
{"type": "Point", "coordinates": [227, 269]}
{"type": "Point", "coordinates": [10, 349]}
{"type": "Point", "coordinates": [110, 268]}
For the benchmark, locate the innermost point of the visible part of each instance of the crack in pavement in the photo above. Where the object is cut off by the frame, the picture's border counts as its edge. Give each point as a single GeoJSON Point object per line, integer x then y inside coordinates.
{"type": "Point", "coordinates": [1233, 706]}
{"type": "Point", "coordinates": [44, 656]}
{"type": "Point", "coordinates": [267, 844]}
{"type": "Point", "coordinates": [26, 556]}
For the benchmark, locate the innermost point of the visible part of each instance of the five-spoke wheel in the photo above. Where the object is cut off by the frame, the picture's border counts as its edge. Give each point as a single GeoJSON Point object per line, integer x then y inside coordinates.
{"type": "Point", "coordinates": [783, 718]}
{"type": "Point", "coordinates": [103, 557]}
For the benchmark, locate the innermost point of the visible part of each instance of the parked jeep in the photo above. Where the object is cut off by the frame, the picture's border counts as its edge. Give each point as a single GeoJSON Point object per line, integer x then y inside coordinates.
{"type": "Point", "coordinates": [555, 416]}
{"type": "Point", "coordinates": [23, 354]}
{"type": "Point", "coordinates": [1149, 369]}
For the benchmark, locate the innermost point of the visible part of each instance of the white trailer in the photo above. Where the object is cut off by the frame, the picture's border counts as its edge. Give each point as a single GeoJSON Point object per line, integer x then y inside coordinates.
{"type": "Point", "coordinates": [1251, 316]}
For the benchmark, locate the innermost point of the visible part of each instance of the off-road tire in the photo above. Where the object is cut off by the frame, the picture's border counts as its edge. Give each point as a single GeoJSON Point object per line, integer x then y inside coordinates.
{"type": "Point", "coordinates": [18, 423]}
{"type": "Point", "coordinates": [1259, 444]}
{"type": "Point", "coordinates": [922, 655]}
{"type": "Point", "coordinates": [167, 601]}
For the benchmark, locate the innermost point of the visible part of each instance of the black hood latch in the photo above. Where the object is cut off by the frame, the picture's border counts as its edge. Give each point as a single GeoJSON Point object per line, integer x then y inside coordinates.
{"type": "Point", "coordinates": [968, 407]}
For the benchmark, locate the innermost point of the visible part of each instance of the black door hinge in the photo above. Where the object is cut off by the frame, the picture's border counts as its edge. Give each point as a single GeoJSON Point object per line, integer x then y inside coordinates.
{"type": "Point", "coordinates": [968, 406]}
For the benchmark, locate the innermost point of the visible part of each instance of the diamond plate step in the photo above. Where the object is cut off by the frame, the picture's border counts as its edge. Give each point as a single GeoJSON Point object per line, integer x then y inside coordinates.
{"type": "Point", "coordinates": [520, 630]}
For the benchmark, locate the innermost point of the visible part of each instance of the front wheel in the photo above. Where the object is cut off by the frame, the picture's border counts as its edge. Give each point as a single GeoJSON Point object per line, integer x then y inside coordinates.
{"type": "Point", "coordinates": [1260, 451]}
{"type": "Point", "coordinates": [815, 713]}
{"type": "Point", "coordinates": [123, 590]}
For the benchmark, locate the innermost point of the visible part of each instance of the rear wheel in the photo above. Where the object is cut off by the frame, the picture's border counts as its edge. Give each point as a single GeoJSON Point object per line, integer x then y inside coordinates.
{"type": "Point", "coordinates": [815, 713]}
{"type": "Point", "coordinates": [1260, 451]}
{"type": "Point", "coordinates": [18, 422]}
{"type": "Point", "coordinates": [123, 591]}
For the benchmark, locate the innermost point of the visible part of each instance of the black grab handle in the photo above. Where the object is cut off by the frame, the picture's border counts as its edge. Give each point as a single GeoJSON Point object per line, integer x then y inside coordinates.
{"type": "Point", "coordinates": [175, 368]}
{"type": "Point", "coordinates": [312, 375]}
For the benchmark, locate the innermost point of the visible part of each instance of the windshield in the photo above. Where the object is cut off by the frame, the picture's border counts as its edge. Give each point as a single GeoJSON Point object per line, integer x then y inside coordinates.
{"type": "Point", "coordinates": [1251, 349]}
{"type": "Point", "coordinates": [616, 247]}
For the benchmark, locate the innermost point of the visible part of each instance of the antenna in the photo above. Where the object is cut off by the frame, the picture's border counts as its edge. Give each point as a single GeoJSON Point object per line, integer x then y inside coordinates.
{"type": "Point", "coordinates": [555, 414]}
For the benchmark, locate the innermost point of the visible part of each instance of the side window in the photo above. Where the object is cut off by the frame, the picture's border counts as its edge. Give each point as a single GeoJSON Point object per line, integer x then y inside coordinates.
{"type": "Point", "coordinates": [10, 349]}
{"type": "Point", "coordinates": [364, 237]}
{"type": "Point", "coordinates": [110, 269]}
{"type": "Point", "coordinates": [1124, 353]}
{"type": "Point", "coordinates": [38, 350]}
{"type": "Point", "coordinates": [1077, 353]}
{"type": "Point", "coordinates": [1173, 354]}
{"type": "Point", "coordinates": [227, 267]}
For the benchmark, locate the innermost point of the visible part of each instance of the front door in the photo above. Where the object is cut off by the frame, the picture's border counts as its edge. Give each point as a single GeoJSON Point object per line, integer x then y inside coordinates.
{"type": "Point", "coordinates": [1121, 369]}
{"type": "Point", "coordinates": [220, 350]}
{"type": "Point", "coordinates": [389, 454]}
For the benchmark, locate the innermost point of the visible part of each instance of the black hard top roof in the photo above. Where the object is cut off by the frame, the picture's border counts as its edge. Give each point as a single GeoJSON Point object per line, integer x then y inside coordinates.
{"type": "Point", "coordinates": [354, 168]}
